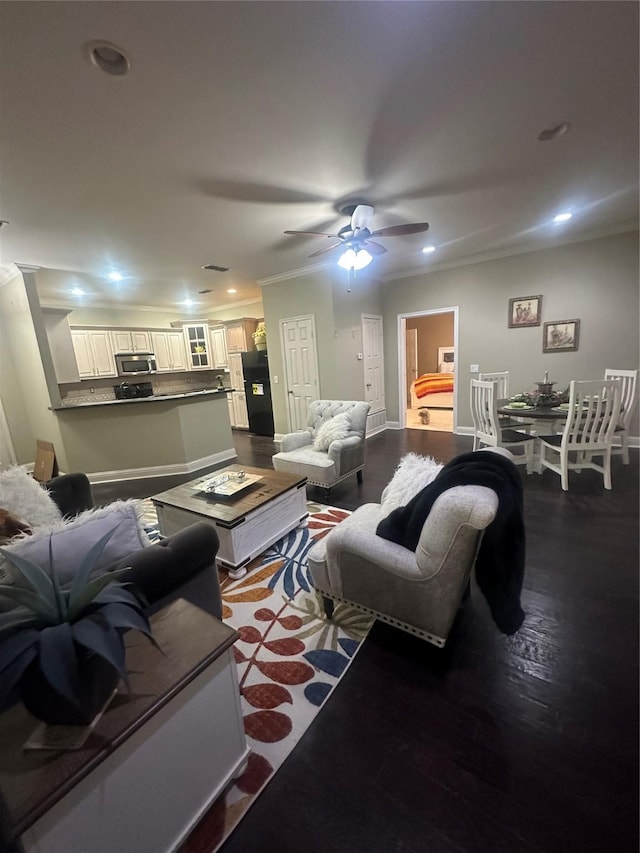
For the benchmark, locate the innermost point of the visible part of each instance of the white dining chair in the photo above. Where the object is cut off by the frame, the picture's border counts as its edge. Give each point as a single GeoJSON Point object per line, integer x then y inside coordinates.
{"type": "Point", "coordinates": [628, 380]}
{"type": "Point", "coordinates": [501, 378]}
{"type": "Point", "coordinates": [489, 432]}
{"type": "Point", "coordinates": [593, 411]}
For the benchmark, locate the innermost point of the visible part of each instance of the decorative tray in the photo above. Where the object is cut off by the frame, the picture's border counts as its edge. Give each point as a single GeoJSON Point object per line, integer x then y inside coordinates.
{"type": "Point", "coordinates": [227, 484]}
{"type": "Point", "coordinates": [519, 407]}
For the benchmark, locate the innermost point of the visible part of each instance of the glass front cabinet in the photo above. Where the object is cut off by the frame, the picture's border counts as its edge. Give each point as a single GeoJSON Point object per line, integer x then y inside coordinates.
{"type": "Point", "coordinates": [198, 350]}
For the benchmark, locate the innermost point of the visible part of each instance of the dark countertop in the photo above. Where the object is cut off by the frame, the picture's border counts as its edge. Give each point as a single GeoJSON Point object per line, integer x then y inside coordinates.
{"type": "Point", "coordinates": [209, 392]}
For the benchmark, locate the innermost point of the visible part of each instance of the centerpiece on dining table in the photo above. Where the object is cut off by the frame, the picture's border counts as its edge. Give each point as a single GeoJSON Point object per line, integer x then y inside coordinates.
{"type": "Point", "coordinates": [543, 396]}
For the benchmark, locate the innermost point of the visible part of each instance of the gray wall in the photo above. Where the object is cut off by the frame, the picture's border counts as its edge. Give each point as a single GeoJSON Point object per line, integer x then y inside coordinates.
{"type": "Point", "coordinates": [595, 281]}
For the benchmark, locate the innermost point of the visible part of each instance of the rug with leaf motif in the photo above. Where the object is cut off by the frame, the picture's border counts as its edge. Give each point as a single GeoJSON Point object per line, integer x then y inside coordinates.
{"type": "Point", "coordinates": [289, 659]}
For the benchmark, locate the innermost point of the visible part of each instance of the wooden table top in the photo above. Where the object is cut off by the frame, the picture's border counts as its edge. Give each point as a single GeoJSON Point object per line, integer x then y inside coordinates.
{"type": "Point", "coordinates": [231, 511]}
{"type": "Point", "coordinates": [32, 781]}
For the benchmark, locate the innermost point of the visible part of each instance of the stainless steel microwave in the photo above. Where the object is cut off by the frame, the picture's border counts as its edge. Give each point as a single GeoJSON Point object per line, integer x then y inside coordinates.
{"type": "Point", "coordinates": [134, 365]}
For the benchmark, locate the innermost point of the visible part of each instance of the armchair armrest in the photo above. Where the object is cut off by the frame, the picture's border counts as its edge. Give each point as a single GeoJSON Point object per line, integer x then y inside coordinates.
{"type": "Point", "coordinates": [347, 453]}
{"type": "Point", "coordinates": [294, 440]}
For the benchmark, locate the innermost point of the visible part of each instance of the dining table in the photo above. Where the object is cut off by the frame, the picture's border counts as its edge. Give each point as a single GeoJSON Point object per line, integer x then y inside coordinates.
{"type": "Point", "coordinates": [546, 419]}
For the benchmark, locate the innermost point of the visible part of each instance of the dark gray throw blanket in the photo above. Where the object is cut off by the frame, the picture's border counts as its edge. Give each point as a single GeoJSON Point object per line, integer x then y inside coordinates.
{"type": "Point", "coordinates": [501, 558]}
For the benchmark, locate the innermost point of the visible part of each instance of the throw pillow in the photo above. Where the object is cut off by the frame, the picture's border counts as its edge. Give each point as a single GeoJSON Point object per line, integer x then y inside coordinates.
{"type": "Point", "coordinates": [72, 540]}
{"type": "Point", "coordinates": [26, 499]}
{"type": "Point", "coordinates": [413, 473]}
{"type": "Point", "coordinates": [335, 429]}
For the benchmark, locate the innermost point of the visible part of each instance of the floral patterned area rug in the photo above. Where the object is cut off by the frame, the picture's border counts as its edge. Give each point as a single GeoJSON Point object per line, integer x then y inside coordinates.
{"type": "Point", "coordinates": [289, 659]}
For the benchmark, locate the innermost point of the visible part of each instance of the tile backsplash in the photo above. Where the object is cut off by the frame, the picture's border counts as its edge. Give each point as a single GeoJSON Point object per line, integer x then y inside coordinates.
{"type": "Point", "coordinates": [102, 390]}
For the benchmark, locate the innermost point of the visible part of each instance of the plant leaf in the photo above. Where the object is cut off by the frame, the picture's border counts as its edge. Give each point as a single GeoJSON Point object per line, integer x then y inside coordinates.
{"type": "Point", "coordinates": [14, 646]}
{"type": "Point", "coordinates": [18, 617]}
{"type": "Point", "coordinates": [117, 594]}
{"type": "Point", "coordinates": [58, 660]}
{"type": "Point", "coordinates": [81, 577]}
{"type": "Point", "coordinates": [101, 637]}
{"type": "Point", "coordinates": [62, 604]}
{"type": "Point", "coordinates": [124, 616]}
{"type": "Point", "coordinates": [34, 574]}
{"type": "Point", "coordinates": [45, 609]}
{"type": "Point", "coordinates": [12, 674]}
{"type": "Point", "coordinates": [88, 595]}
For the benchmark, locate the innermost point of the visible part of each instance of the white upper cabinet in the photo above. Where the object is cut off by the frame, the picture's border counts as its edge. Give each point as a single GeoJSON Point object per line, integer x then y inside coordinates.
{"type": "Point", "coordinates": [218, 335]}
{"type": "Point", "coordinates": [236, 374]}
{"type": "Point", "coordinates": [239, 334]}
{"type": "Point", "coordinates": [124, 340]}
{"type": "Point", "coordinates": [196, 336]}
{"type": "Point", "coordinates": [94, 353]}
{"type": "Point", "coordinates": [169, 350]}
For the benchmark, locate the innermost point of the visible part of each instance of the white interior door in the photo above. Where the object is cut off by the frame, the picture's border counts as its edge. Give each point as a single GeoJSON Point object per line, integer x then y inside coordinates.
{"type": "Point", "coordinates": [300, 358]}
{"type": "Point", "coordinates": [373, 359]}
{"type": "Point", "coordinates": [411, 346]}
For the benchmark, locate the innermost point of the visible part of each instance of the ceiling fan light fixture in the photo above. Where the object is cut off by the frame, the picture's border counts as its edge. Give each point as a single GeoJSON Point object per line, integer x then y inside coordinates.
{"type": "Point", "coordinates": [355, 259]}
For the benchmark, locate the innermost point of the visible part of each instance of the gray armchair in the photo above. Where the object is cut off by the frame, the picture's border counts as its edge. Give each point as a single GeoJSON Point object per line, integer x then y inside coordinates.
{"type": "Point", "coordinates": [418, 590]}
{"type": "Point", "coordinates": [342, 457]}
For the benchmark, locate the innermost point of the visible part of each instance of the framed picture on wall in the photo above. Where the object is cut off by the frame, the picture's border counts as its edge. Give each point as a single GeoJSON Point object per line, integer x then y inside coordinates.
{"type": "Point", "coordinates": [561, 336]}
{"type": "Point", "coordinates": [525, 311]}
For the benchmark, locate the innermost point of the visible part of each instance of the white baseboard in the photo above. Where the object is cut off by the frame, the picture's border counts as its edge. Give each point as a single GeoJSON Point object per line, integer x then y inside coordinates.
{"type": "Point", "coordinates": [162, 470]}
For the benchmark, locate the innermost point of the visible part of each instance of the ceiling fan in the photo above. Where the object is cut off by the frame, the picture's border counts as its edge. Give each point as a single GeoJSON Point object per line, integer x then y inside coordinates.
{"type": "Point", "coordinates": [355, 237]}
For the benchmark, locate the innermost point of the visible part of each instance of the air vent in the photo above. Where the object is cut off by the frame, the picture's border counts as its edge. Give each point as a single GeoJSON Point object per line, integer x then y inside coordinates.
{"type": "Point", "coordinates": [208, 290]}
{"type": "Point", "coordinates": [216, 268]}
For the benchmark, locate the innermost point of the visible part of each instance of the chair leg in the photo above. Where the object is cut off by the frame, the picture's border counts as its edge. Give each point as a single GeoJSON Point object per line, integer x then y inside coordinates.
{"type": "Point", "coordinates": [625, 448]}
{"type": "Point", "coordinates": [564, 471]}
{"type": "Point", "coordinates": [359, 475]}
{"type": "Point", "coordinates": [329, 606]}
{"type": "Point", "coordinates": [606, 464]}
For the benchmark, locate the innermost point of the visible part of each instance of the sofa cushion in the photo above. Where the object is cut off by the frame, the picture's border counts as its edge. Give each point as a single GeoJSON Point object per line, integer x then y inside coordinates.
{"type": "Point", "coordinates": [335, 429]}
{"type": "Point", "coordinates": [413, 473]}
{"type": "Point", "coordinates": [26, 499]}
{"type": "Point", "coordinates": [71, 540]}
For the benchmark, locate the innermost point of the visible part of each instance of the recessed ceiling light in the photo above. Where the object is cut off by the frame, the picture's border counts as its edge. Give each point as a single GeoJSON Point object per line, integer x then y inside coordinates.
{"type": "Point", "coordinates": [428, 249]}
{"type": "Point", "coordinates": [187, 302]}
{"type": "Point", "coordinates": [77, 291]}
{"type": "Point", "coordinates": [554, 132]}
{"type": "Point", "coordinates": [232, 290]}
{"type": "Point", "coordinates": [108, 58]}
{"type": "Point", "coordinates": [114, 276]}
{"type": "Point", "coordinates": [562, 217]}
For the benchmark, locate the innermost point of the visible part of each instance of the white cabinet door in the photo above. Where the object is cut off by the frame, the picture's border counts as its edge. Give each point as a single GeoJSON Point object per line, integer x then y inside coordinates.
{"type": "Point", "coordinates": [236, 340]}
{"type": "Point", "coordinates": [235, 371]}
{"type": "Point", "coordinates": [219, 346]}
{"type": "Point", "coordinates": [161, 350]}
{"type": "Point", "coordinates": [94, 353]}
{"type": "Point", "coordinates": [121, 340]}
{"type": "Point", "coordinates": [141, 342]}
{"type": "Point", "coordinates": [82, 350]}
{"type": "Point", "coordinates": [232, 411]}
{"type": "Point", "coordinates": [104, 363]}
{"type": "Point", "coordinates": [240, 409]}
{"type": "Point", "coordinates": [177, 352]}
{"type": "Point", "coordinates": [197, 341]}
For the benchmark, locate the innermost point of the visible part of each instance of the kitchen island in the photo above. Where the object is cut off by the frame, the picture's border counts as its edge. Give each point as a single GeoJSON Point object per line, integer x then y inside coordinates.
{"type": "Point", "coordinates": [146, 437]}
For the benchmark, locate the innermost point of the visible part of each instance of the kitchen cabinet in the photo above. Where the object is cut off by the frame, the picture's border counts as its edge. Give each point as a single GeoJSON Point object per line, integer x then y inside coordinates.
{"type": "Point", "coordinates": [196, 336]}
{"type": "Point", "coordinates": [239, 334]}
{"type": "Point", "coordinates": [218, 335]}
{"type": "Point", "coordinates": [170, 351]}
{"type": "Point", "coordinates": [94, 353]}
{"type": "Point", "coordinates": [236, 375]}
{"type": "Point", "coordinates": [240, 413]}
{"type": "Point", "coordinates": [232, 412]}
{"type": "Point", "coordinates": [125, 340]}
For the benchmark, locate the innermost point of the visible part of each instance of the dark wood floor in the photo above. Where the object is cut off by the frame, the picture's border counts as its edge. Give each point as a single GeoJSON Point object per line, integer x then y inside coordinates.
{"type": "Point", "coordinates": [494, 744]}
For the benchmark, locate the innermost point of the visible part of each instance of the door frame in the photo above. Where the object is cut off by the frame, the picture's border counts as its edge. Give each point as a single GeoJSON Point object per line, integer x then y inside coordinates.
{"type": "Point", "coordinates": [5, 437]}
{"type": "Point", "coordinates": [402, 360]}
{"type": "Point", "coordinates": [285, 363]}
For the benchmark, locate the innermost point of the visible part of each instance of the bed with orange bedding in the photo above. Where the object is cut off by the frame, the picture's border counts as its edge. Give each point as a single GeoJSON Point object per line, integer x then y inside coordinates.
{"type": "Point", "coordinates": [432, 390]}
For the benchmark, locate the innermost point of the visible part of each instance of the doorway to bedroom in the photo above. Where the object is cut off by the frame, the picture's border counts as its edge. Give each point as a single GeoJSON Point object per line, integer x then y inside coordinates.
{"type": "Point", "coordinates": [427, 360]}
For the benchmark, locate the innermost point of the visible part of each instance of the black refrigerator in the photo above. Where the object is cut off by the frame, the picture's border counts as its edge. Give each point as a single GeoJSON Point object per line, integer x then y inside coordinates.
{"type": "Point", "coordinates": [257, 387]}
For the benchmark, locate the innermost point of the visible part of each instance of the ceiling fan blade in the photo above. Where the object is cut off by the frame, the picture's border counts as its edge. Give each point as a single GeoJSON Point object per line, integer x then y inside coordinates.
{"type": "Point", "coordinates": [326, 249]}
{"type": "Point", "coordinates": [311, 233]}
{"type": "Point", "coordinates": [374, 248]}
{"type": "Point", "coordinates": [361, 217]}
{"type": "Point", "coordinates": [402, 230]}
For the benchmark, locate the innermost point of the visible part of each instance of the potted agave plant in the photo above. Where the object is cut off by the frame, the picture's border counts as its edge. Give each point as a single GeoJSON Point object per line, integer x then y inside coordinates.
{"type": "Point", "coordinates": [62, 650]}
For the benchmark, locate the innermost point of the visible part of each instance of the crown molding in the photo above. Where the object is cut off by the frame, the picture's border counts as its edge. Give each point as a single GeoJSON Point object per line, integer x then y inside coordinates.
{"type": "Point", "coordinates": [8, 273]}
{"type": "Point", "coordinates": [273, 279]}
